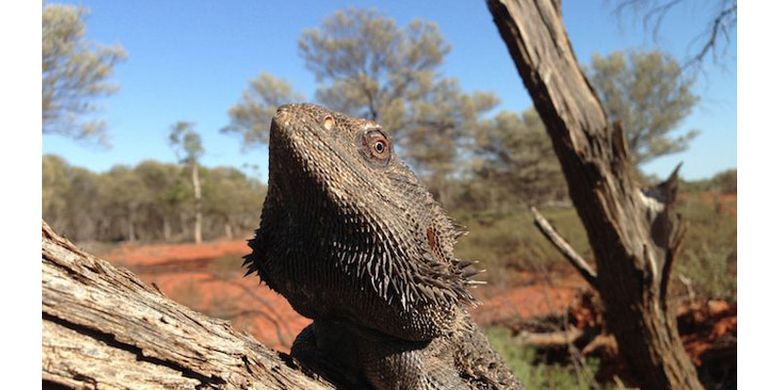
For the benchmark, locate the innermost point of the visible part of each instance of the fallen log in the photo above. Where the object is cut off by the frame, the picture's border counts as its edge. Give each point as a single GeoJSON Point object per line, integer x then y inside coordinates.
{"type": "Point", "coordinates": [104, 328]}
{"type": "Point", "coordinates": [552, 339]}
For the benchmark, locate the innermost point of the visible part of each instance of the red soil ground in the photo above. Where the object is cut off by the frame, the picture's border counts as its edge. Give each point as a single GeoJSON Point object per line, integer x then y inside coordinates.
{"type": "Point", "coordinates": [186, 273]}
{"type": "Point", "coordinates": [208, 278]}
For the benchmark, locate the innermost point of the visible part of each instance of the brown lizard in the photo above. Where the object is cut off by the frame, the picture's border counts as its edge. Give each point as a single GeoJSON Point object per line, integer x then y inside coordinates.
{"type": "Point", "coordinates": [353, 240]}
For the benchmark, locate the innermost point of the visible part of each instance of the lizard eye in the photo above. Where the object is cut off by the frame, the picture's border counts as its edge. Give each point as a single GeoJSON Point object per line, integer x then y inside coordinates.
{"type": "Point", "coordinates": [376, 146]}
{"type": "Point", "coordinates": [379, 147]}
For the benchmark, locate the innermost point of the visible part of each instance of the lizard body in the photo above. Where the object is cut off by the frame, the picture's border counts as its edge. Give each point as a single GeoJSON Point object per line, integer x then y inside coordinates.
{"type": "Point", "coordinates": [354, 241]}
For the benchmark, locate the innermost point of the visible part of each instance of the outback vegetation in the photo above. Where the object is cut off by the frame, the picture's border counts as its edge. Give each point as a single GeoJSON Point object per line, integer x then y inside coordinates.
{"type": "Point", "coordinates": [487, 168]}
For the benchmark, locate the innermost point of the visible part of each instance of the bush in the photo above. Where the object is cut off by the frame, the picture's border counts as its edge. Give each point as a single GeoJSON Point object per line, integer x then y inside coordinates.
{"type": "Point", "coordinates": [509, 240]}
{"type": "Point", "coordinates": [709, 253]}
{"type": "Point", "coordinates": [727, 181]}
{"type": "Point", "coordinates": [534, 375]}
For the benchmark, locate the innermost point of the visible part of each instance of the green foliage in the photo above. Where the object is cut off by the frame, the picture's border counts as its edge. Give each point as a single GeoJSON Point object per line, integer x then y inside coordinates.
{"type": "Point", "coordinates": [515, 161]}
{"type": "Point", "coordinates": [151, 201]}
{"type": "Point", "coordinates": [537, 375]}
{"type": "Point", "coordinates": [186, 143]}
{"type": "Point", "coordinates": [65, 187]}
{"type": "Point", "coordinates": [369, 67]}
{"type": "Point", "coordinates": [507, 239]}
{"type": "Point", "coordinates": [231, 199]}
{"type": "Point", "coordinates": [251, 117]}
{"type": "Point", "coordinates": [723, 182]}
{"type": "Point", "coordinates": [727, 181]}
{"type": "Point", "coordinates": [650, 96]}
{"type": "Point", "coordinates": [709, 253]}
{"type": "Point", "coordinates": [75, 72]}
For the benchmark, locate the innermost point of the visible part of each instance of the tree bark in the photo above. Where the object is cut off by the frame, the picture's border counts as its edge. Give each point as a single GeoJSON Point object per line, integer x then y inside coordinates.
{"type": "Point", "coordinates": [198, 235]}
{"type": "Point", "coordinates": [104, 328]}
{"type": "Point", "coordinates": [634, 236]}
{"type": "Point", "coordinates": [166, 230]}
{"type": "Point", "coordinates": [228, 230]}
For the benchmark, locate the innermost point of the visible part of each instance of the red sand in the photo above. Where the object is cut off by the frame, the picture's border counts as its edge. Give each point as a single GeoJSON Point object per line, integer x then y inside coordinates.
{"type": "Point", "coordinates": [188, 274]}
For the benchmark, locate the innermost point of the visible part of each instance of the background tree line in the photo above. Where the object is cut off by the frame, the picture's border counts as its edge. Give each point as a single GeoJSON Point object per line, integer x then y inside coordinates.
{"type": "Point", "coordinates": [472, 156]}
{"type": "Point", "coordinates": [150, 201]}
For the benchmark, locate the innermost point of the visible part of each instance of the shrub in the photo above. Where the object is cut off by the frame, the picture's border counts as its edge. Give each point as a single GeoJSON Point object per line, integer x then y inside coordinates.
{"type": "Point", "coordinates": [535, 375]}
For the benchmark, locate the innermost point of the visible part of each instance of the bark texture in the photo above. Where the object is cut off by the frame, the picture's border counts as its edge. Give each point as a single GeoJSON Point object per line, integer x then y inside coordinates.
{"type": "Point", "coordinates": [197, 232]}
{"type": "Point", "coordinates": [635, 235]}
{"type": "Point", "coordinates": [104, 328]}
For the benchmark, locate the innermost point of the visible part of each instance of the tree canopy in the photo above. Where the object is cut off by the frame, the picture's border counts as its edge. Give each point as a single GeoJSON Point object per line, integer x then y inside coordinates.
{"type": "Point", "coordinates": [149, 201]}
{"type": "Point", "coordinates": [648, 93]}
{"type": "Point", "coordinates": [75, 73]}
{"type": "Point", "coordinates": [369, 67]}
{"type": "Point", "coordinates": [186, 142]}
{"type": "Point", "coordinates": [515, 158]}
{"type": "Point", "coordinates": [251, 116]}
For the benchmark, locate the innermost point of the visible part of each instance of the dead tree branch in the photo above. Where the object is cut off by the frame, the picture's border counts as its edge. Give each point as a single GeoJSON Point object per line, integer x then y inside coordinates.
{"type": "Point", "coordinates": [566, 250]}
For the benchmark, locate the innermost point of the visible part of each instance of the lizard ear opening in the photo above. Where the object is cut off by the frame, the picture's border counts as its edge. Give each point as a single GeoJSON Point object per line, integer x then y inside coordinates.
{"type": "Point", "coordinates": [328, 122]}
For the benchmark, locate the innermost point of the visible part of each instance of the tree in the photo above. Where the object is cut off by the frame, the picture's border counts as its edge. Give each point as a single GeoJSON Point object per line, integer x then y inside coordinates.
{"type": "Point", "coordinates": [122, 197]}
{"type": "Point", "coordinates": [722, 21]}
{"type": "Point", "coordinates": [75, 72]}
{"type": "Point", "coordinates": [188, 148]}
{"type": "Point", "coordinates": [514, 155]}
{"type": "Point", "coordinates": [65, 186]}
{"type": "Point", "coordinates": [726, 181]}
{"type": "Point", "coordinates": [169, 195]}
{"type": "Point", "coordinates": [635, 235]}
{"type": "Point", "coordinates": [369, 67]}
{"type": "Point", "coordinates": [441, 125]}
{"type": "Point", "coordinates": [649, 95]}
{"type": "Point", "coordinates": [251, 117]}
{"type": "Point", "coordinates": [150, 201]}
{"type": "Point", "coordinates": [231, 199]}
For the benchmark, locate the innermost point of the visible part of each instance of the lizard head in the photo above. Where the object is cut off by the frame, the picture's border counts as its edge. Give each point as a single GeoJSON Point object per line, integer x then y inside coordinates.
{"type": "Point", "coordinates": [340, 200]}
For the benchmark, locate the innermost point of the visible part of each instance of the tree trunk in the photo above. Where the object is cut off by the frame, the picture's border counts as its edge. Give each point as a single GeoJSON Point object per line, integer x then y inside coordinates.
{"type": "Point", "coordinates": [130, 230]}
{"type": "Point", "coordinates": [634, 237]}
{"type": "Point", "coordinates": [166, 229]}
{"type": "Point", "coordinates": [184, 225]}
{"type": "Point", "coordinates": [198, 205]}
{"type": "Point", "coordinates": [131, 226]}
{"type": "Point", "coordinates": [228, 231]}
{"type": "Point", "coordinates": [104, 328]}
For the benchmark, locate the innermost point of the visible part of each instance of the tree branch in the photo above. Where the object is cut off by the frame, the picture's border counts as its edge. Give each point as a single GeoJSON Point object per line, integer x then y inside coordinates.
{"type": "Point", "coordinates": [565, 249]}
{"type": "Point", "coordinates": [102, 327]}
{"type": "Point", "coordinates": [720, 25]}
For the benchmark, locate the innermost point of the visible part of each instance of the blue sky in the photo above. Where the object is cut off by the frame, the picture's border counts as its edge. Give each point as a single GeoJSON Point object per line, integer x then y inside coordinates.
{"type": "Point", "coordinates": [190, 60]}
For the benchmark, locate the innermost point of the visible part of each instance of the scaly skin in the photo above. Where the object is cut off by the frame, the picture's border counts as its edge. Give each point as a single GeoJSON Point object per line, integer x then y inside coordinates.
{"type": "Point", "coordinates": [354, 241]}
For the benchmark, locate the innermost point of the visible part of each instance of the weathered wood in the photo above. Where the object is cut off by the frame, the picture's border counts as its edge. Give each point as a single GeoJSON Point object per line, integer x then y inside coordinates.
{"type": "Point", "coordinates": [634, 235]}
{"type": "Point", "coordinates": [560, 338]}
{"type": "Point", "coordinates": [565, 249]}
{"type": "Point", "coordinates": [104, 328]}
